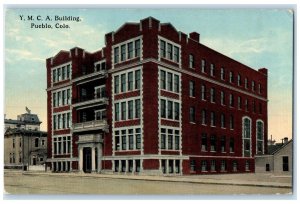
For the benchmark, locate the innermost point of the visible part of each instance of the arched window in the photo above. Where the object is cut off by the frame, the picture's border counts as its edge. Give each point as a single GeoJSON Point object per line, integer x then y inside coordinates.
{"type": "Point", "coordinates": [246, 137]}
{"type": "Point", "coordinates": [259, 137]}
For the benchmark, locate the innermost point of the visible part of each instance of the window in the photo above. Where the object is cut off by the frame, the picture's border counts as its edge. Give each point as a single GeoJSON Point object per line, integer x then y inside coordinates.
{"type": "Point", "coordinates": [285, 163]}
{"type": "Point", "coordinates": [259, 88]}
{"type": "Point", "coordinates": [231, 78]}
{"type": "Point", "coordinates": [54, 122]}
{"type": "Point", "coordinates": [176, 83]}
{"type": "Point", "coordinates": [137, 79]}
{"type": "Point", "coordinates": [170, 82]}
{"type": "Point", "coordinates": [212, 95]}
{"type": "Point", "coordinates": [231, 144]}
{"type": "Point", "coordinates": [138, 138]}
{"type": "Point", "coordinates": [192, 114]}
{"type": "Point", "coordinates": [204, 142]}
{"type": "Point", "coordinates": [54, 100]}
{"type": "Point", "coordinates": [116, 54]}
{"type": "Point", "coordinates": [123, 132]}
{"type": "Point", "coordinates": [130, 50]}
{"type": "Point", "coordinates": [170, 110]}
{"type": "Point", "coordinates": [213, 165]}
{"type": "Point", "coordinates": [137, 48]}
{"type": "Point", "coordinates": [130, 109]}
{"type": "Point", "coordinates": [239, 79]}
{"type": "Point", "coordinates": [212, 70]}
{"type": "Point", "coordinates": [259, 137]}
{"type": "Point", "coordinates": [253, 85]}
{"type": "Point", "coordinates": [193, 165]}
{"type": "Point", "coordinates": [170, 52]}
{"type": "Point", "coordinates": [68, 120]}
{"type": "Point", "coordinates": [54, 75]}
{"type": "Point", "coordinates": [234, 166]}
{"type": "Point", "coordinates": [170, 139]}
{"type": "Point", "coordinates": [223, 165]}
{"type": "Point", "coordinates": [212, 119]}
{"type": "Point", "coordinates": [163, 138]}
{"type": "Point", "coordinates": [246, 104]}
{"type": "Point", "coordinates": [212, 143]}
{"type": "Point", "coordinates": [123, 111]}
{"type": "Point", "coordinates": [246, 137]}
{"type": "Point", "coordinates": [247, 166]}
{"type": "Point", "coordinates": [117, 112]}
{"type": "Point", "coordinates": [203, 117]}
{"type": "Point", "coordinates": [223, 144]}
{"type": "Point", "coordinates": [63, 70]}
{"type": "Point", "coordinates": [117, 140]}
{"type": "Point", "coordinates": [231, 100]}
{"type": "Point", "coordinates": [68, 71]}
{"type": "Point", "coordinates": [163, 48]}
{"type": "Point", "coordinates": [191, 61]}
{"type": "Point", "coordinates": [222, 73]}
{"type": "Point", "coordinates": [14, 143]}
{"type": "Point", "coordinates": [36, 142]}
{"type": "Point", "coordinates": [176, 54]}
{"type": "Point", "coordinates": [253, 106]}
{"type": "Point", "coordinates": [231, 122]}
{"type": "Point", "coordinates": [123, 53]}
{"type": "Point", "coordinates": [68, 96]}
{"type": "Point", "coordinates": [123, 82]}
{"type": "Point", "coordinates": [176, 111]}
{"type": "Point", "coordinates": [130, 81]}
{"type": "Point", "coordinates": [203, 92]}
{"type": "Point", "coordinates": [163, 108]}
{"type": "Point", "coordinates": [203, 165]}
{"type": "Point", "coordinates": [203, 66]}
{"type": "Point", "coordinates": [222, 121]}
{"type": "Point", "coordinates": [176, 139]}
{"type": "Point", "coordinates": [222, 98]}
{"type": "Point", "coordinates": [63, 121]}
{"type": "Point", "coordinates": [192, 89]}
{"type": "Point", "coordinates": [117, 84]}
{"type": "Point", "coordinates": [239, 102]}
{"type": "Point", "coordinates": [63, 97]}
{"type": "Point", "coordinates": [137, 108]}
{"type": "Point", "coordinates": [162, 79]}
{"type": "Point", "coordinates": [246, 83]}
{"type": "Point", "coordinates": [130, 135]}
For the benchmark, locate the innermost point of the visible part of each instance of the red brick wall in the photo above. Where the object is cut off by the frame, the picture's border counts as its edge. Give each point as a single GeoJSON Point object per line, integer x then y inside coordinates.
{"type": "Point", "coordinates": [150, 164]}
{"type": "Point", "coordinates": [150, 111]}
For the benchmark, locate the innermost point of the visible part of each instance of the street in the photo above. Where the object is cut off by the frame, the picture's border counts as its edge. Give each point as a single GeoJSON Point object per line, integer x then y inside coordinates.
{"type": "Point", "coordinates": [18, 183]}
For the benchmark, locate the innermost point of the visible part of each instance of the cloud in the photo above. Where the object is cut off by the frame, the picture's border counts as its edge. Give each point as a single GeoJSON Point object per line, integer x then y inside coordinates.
{"type": "Point", "coordinates": [20, 54]}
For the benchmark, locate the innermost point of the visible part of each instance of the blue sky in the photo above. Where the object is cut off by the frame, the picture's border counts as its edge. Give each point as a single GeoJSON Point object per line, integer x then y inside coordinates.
{"type": "Point", "coordinates": [255, 37]}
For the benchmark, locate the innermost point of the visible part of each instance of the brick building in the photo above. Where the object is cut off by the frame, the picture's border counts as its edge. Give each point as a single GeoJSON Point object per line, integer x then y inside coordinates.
{"type": "Point", "coordinates": [155, 101]}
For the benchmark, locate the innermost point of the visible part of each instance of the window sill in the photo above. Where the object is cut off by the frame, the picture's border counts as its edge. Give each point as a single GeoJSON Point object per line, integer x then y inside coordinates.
{"type": "Point", "coordinates": [204, 124]}
{"type": "Point", "coordinates": [193, 123]}
{"type": "Point", "coordinates": [212, 126]}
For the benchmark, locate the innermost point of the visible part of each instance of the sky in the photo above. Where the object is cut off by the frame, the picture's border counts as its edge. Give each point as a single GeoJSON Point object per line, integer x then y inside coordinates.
{"type": "Point", "coordinates": [255, 37]}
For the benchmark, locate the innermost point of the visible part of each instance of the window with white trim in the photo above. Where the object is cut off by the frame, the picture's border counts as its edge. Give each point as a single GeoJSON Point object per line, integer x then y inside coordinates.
{"type": "Point", "coordinates": [222, 98]}
{"type": "Point", "coordinates": [191, 61]}
{"type": "Point", "coordinates": [169, 50]}
{"type": "Point", "coordinates": [203, 116]}
{"type": "Point", "coordinates": [61, 73]}
{"type": "Point", "coordinates": [239, 80]}
{"type": "Point", "coordinates": [128, 110]}
{"type": "Point", "coordinates": [222, 120]}
{"type": "Point", "coordinates": [100, 66]}
{"type": "Point", "coordinates": [169, 81]}
{"type": "Point", "coordinates": [100, 114]}
{"type": "Point", "coordinates": [192, 89]}
{"type": "Point", "coordinates": [231, 77]}
{"type": "Point", "coordinates": [212, 95]}
{"type": "Point", "coordinates": [128, 81]}
{"type": "Point", "coordinates": [212, 143]}
{"type": "Point", "coordinates": [62, 121]}
{"type": "Point", "coordinates": [62, 145]}
{"type": "Point", "coordinates": [246, 137]}
{"type": "Point", "coordinates": [169, 109]}
{"type": "Point", "coordinates": [169, 139]}
{"type": "Point", "coordinates": [203, 66]}
{"type": "Point", "coordinates": [253, 85]}
{"type": "Point", "coordinates": [222, 73]}
{"type": "Point", "coordinates": [259, 137]}
{"type": "Point", "coordinates": [212, 119]}
{"type": "Point", "coordinates": [203, 142]}
{"type": "Point", "coordinates": [127, 50]}
{"type": "Point", "coordinates": [212, 69]}
{"type": "Point", "coordinates": [61, 97]}
{"type": "Point", "coordinates": [127, 139]}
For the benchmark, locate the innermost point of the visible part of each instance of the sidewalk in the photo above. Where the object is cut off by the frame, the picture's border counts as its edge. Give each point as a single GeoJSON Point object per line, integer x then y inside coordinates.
{"type": "Point", "coordinates": [258, 180]}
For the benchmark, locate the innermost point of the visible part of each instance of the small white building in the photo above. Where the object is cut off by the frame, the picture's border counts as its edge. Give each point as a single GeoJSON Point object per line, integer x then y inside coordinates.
{"type": "Point", "coordinates": [278, 162]}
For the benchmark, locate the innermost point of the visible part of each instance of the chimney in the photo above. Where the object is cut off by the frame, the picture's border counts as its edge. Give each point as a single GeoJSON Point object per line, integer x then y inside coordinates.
{"type": "Point", "coordinates": [286, 139]}
{"type": "Point", "coordinates": [195, 36]}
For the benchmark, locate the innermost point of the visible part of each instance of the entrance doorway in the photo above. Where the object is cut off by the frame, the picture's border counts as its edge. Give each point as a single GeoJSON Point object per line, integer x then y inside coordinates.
{"type": "Point", "coordinates": [87, 160]}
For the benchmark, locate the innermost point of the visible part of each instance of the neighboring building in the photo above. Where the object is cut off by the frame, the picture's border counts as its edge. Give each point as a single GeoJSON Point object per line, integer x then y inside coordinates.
{"type": "Point", "coordinates": [25, 146]}
{"type": "Point", "coordinates": [278, 161]}
{"type": "Point", "coordinates": [154, 101]}
{"type": "Point", "coordinates": [25, 121]}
